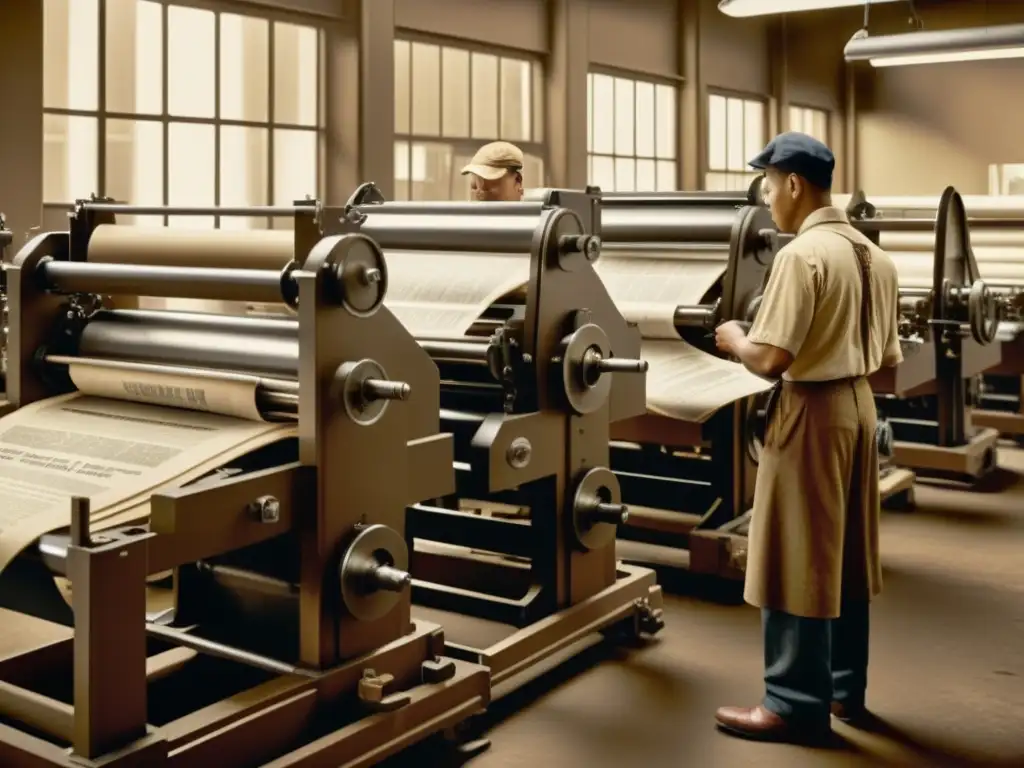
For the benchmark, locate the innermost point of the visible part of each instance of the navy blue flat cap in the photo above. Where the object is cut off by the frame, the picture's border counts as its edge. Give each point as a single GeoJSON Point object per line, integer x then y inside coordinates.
{"type": "Point", "coordinates": [798, 153]}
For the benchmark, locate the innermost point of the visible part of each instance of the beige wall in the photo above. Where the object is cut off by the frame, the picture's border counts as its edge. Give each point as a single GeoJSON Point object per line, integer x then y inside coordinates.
{"type": "Point", "coordinates": [922, 128]}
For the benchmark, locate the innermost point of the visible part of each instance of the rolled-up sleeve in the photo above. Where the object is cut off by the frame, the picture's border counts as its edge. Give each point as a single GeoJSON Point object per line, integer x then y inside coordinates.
{"type": "Point", "coordinates": [787, 307]}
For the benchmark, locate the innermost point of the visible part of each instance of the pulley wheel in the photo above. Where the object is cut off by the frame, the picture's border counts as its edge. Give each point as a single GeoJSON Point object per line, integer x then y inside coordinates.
{"type": "Point", "coordinates": [885, 438]}
{"type": "Point", "coordinates": [586, 387]}
{"type": "Point", "coordinates": [983, 313]}
{"type": "Point", "coordinates": [361, 275]}
{"type": "Point", "coordinates": [349, 388]}
{"type": "Point", "coordinates": [591, 523]}
{"type": "Point", "coordinates": [374, 572]}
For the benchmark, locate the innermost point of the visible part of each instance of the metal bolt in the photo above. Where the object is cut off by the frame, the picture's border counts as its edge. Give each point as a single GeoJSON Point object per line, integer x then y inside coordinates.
{"type": "Point", "coordinates": [519, 452]}
{"type": "Point", "coordinates": [265, 509]}
{"type": "Point", "coordinates": [370, 275]}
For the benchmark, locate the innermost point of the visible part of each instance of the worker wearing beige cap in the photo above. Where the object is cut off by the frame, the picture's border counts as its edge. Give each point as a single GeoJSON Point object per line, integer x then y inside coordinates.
{"type": "Point", "coordinates": [496, 173]}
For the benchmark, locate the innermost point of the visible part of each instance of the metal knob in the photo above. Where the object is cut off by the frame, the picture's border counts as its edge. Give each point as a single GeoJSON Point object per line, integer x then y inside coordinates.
{"type": "Point", "coordinates": [383, 389]}
{"type": "Point", "coordinates": [388, 578]}
{"type": "Point", "coordinates": [616, 514]}
{"type": "Point", "coordinates": [370, 275]}
{"type": "Point", "coordinates": [588, 245]}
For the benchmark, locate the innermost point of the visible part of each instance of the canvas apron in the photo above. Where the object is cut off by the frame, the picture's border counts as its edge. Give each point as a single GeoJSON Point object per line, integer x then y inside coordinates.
{"type": "Point", "coordinates": [814, 530]}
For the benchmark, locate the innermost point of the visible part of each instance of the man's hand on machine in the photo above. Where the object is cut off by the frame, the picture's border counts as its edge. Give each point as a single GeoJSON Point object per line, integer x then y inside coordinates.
{"type": "Point", "coordinates": [729, 334]}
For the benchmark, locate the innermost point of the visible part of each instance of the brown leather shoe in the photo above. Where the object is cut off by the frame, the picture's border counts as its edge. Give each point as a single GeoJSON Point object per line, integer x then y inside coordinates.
{"type": "Point", "coordinates": [849, 712]}
{"type": "Point", "coordinates": [763, 725]}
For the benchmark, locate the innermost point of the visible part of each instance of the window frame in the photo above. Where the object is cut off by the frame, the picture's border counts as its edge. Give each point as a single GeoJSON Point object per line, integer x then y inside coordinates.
{"type": "Point", "coordinates": [468, 145]}
{"type": "Point", "coordinates": [743, 96]}
{"type": "Point", "coordinates": [102, 116]}
{"type": "Point", "coordinates": [646, 78]}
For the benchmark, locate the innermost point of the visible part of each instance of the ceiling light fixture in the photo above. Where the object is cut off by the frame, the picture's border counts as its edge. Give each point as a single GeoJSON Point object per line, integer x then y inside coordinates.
{"type": "Point", "coordinates": [937, 47]}
{"type": "Point", "coordinates": [741, 8]}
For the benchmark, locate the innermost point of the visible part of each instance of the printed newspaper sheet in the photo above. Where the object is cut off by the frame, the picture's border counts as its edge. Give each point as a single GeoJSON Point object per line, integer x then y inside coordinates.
{"type": "Point", "coordinates": [113, 452]}
{"type": "Point", "coordinates": [443, 294]}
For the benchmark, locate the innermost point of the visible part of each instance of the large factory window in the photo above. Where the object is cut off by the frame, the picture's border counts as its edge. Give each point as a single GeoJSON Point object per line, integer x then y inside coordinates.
{"type": "Point", "coordinates": [190, 107]}
{"type": "Point", "coordinates": [736, 133]}
{"type": "Point", "coordinates": [813, 122]}
{"type": "Point", "coordinates": [631, 134]}
{"type": "Point", "coordinates": [449, 101]}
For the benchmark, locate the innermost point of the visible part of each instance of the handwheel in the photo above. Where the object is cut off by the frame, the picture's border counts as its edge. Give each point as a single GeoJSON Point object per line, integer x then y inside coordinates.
{"type": "Point", "coordinates": [983, 313]}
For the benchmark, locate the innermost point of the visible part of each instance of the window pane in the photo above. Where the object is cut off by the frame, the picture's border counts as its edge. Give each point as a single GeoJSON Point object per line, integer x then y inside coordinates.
{"type": "Point", "coordinates": [485, 96]}
{"type": "Point", "coordinates": [515, 99]}
{"type": "Point", "coordinates": [646, 176]}
{"type": "Point", "coordinates": [191, 62]}
{"type": "Point", "coordinates": [426, 89]}
{"type": "Point", "coordinates": [625, 174]}
{"type": "Point", "coordinates": [191, 171]}
{"type": "Point", "coordinates": [296, 74]}
{"type": "Point", "coordinates": [533, 171]}
{"type": "Point", "coordinates": [666, 108]}
{"type": "Point", "coordinates": [604, 114]}
{"type": "Point", "coordinates": [454, 92]}
{"type": "Point", "coordinates": [753, 114]}
{"type": "Point", "coordinates": [244, 170]}
{"type": "Point", "coordinates": [134, 57]}
{"type": "Point", "coordinates": [820, 125]}
{"type": "Point", "coordinates": [402, 170]}
{"type": "Point", "coordinates": [796, 122]}
{"type": "Point", "coordinates": [645, 120]}
{"type": "Point", "coordinates": [70, 149]}
{"type": "Point", "coordinates": [624, 117]}
{"type": "Point", "coordinates": [295, 164]}
{"type": "Point", "coordinates": [538, 102]}
{"type": "Point", "coordinates": [734, 135]}
{"type": "Point", "coordinates": [602, 171]}
{"type": "Point", "coordinates": [402, 63]}
{"type": "Point", "coordinates": [590, 113]}
{"type": "Point", "coordinates": [431, 171]}
{"type": "Point", "coordinates": [244, 68]}
{"type": "Point", "coordinates": [667, 176]}
{"type": "Point", "coordinates": [71, 52]}
{"type": "Point", "coordinates": [717, 121]}
{"type": "Point", "coordinates": [135, 166]}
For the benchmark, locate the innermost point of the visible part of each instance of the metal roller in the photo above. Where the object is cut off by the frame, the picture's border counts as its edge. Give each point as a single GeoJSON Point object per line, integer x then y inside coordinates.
{"type": "Point", "coordinates": [481, 231]}
{"type": "Point", "coordinates": [216, 248]}
{"type": "Point", "coordinates": [976, 206]}
{"type": "Point", "coordinates": [669, 223]}
{"type": "Point", "coordinates": [193, 282]}
{"type": "Point", "coordinates": [451, 208]}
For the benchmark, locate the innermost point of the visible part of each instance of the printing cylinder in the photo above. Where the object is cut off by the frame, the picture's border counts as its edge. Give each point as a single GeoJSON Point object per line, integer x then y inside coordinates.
{"type": "Point", "coordinates": [256, 345]}
{"type": "Point", "coordinates": [637, 224]}
{"type": "Point", "coordinates": [453, 208]}
{"type": "Point", "coordinates": [487, 233]}
{"type": "Point", "coordinates": [977, 206]}
{"type": "Point", "coordinates": [217, 248]}
{"type": "Point", "coordinates": [189, 282]}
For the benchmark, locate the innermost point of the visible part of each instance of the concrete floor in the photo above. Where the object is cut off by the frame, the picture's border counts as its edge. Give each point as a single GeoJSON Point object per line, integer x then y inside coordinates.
{"type": "Point", "coordinates": [947, 676]}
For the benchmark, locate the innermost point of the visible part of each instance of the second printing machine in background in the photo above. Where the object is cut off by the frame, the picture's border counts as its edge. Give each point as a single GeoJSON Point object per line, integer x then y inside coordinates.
{"type": "Point", "coordinates": [678, 264]}
{"type": "Point", "coordinates": [946, 292]}
{"type": "Point", "coordinates": [997, 241]}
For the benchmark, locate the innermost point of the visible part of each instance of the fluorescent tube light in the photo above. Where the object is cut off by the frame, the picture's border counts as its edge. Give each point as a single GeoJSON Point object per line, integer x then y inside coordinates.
{"type": "Point", "coordinates": [937, 47]}
{"type": "Point", "coordinates": [768, 7]}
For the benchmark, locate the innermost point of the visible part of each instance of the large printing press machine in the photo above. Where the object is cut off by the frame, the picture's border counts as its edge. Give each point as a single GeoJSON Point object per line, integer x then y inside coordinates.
{"type": "Point", "coordinates": [306, 494]}
{"type": "Point", "coordinates": [997, 241]}
{"type": "Point", "coordinates": [968, 255]}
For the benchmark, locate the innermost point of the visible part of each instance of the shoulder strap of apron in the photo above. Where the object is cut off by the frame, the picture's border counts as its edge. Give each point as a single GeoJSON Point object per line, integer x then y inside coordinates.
{"type": "Point", "coordinates": [863, 255]}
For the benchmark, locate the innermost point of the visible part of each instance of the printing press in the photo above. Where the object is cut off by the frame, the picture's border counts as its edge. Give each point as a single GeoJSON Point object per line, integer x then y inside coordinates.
{"type": "Point", "coordinates": [701, 258]}
{"type": "Point", "coordinates": [289, 639]}
{"type": "Point", "coordinates": [997, 240]}
{"type": "Point", "coordinates": [951, 304]}
{"type": "Point", "coordinates": [535, 364]}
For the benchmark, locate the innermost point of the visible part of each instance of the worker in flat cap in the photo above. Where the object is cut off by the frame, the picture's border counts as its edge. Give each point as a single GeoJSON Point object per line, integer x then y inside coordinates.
{"type": "Point", "coordinates": [496, 173]}
{"type": "Point", "coordinates": [827, 321]}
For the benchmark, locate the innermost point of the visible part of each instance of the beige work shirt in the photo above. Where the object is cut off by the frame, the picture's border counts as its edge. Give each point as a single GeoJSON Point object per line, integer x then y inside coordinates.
{"type": "Point", "coordinates": [812, 304]}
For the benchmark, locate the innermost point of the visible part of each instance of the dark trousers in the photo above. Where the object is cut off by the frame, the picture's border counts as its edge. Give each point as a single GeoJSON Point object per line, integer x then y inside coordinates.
{"type": "Point", "coordinates": [809, 663]}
